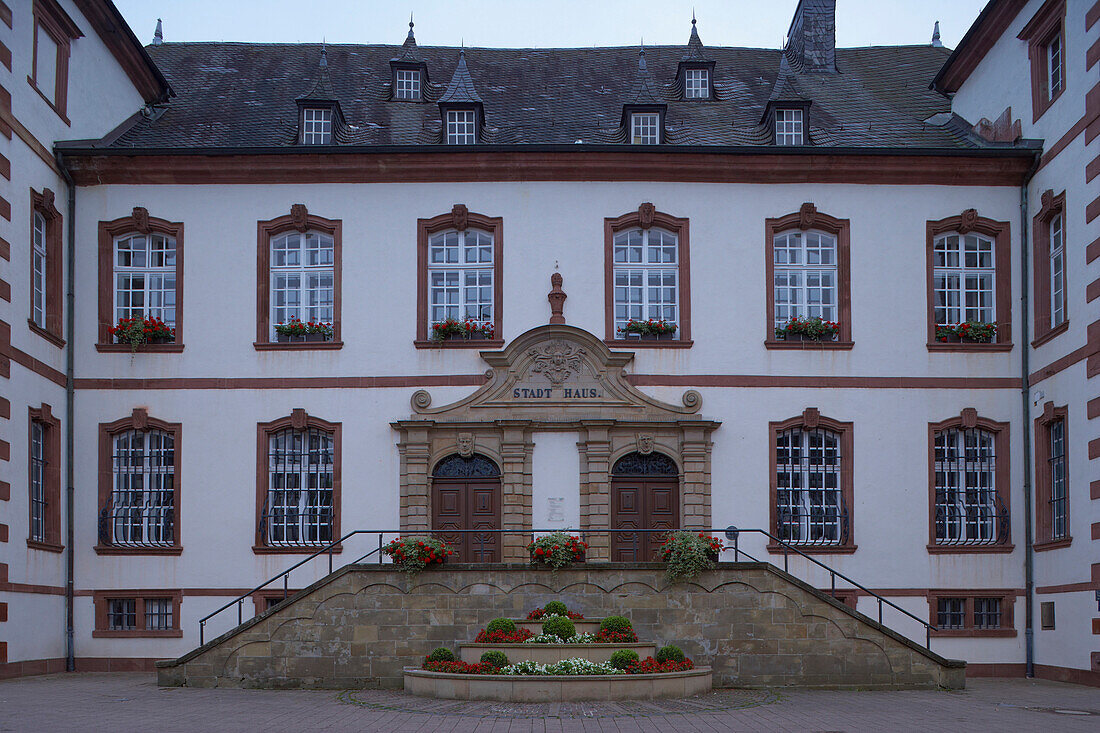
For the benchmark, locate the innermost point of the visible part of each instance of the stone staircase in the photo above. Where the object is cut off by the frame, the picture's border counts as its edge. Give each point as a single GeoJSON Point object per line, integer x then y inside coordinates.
{"type": "Point", "coordinates": [751, 623]}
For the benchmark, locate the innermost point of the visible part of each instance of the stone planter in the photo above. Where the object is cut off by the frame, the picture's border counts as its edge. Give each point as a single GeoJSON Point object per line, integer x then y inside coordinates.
{"type": "Point", "coordinates": [651, 336]}
{"type": "Point", "coordinates": [305, 338]}
{"type": "Point", "coordinates": [801, 337]}
{"type": "Point", "coordinates": [550, 653]}
{"type": "Point", "coordinates": [539, 564]}
{"type": "Point", "coordinates": [585, 626]}
{"type": "Point", "coordinates": [557, 688]}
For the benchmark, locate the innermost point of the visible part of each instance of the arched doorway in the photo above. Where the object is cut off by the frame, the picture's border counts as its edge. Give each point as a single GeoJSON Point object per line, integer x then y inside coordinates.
{"type": "Point", "coordinates": [645, 494]}
{"type": "Point", "coordinates": [466, 496]}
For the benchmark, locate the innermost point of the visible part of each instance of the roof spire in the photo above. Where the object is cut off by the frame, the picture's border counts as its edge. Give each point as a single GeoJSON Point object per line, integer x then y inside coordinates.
{"type": "Point", "coordinates": [322, 86]}
{"type": "Point", "coordinates": [643, 91]}
{"type": "Point", "coordinates": [158, 34]}
{"type": "Point", "coordinates": [936, 42]}
{"type": "Point", "coordinates": [411, 26]}
{"type": "Point", "coordinates": [408, 48]}
{"type": "Point", "coordinates": [695, 44]}
{"type": "Point", "coordinates": [461, 88]}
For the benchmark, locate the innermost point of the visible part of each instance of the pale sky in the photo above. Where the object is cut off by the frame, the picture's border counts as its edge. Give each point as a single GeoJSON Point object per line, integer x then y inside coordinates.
{"type": "Point", "coordinates": [541, 23]}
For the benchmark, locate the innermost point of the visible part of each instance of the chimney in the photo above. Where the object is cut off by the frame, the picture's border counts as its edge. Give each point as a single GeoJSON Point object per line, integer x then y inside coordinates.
{"type": "Point", "coordinates": [811, 40]}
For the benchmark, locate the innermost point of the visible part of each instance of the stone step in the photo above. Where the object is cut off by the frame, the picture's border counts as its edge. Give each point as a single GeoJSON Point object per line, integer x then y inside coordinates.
{"type": "Point", "coordinates": [549, 653]}
{"type": "Point", "coordinates": [554, 688]}
{"type": "Point", "coordinates": [587, 626]}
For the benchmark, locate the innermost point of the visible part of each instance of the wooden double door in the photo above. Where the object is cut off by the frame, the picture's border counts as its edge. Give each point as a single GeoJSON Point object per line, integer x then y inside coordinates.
{"type": "Point", "coordinates": [642, 503]}
{"type": "Point", "coordinates": [473, 504]}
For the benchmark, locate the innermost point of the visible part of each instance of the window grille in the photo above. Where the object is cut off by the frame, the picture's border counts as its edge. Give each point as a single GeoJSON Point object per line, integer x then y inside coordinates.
{"type": "Point", "coordinates": [141, 509]}
{"type": "Point", "coordinates": [38, 482]}
{"type": "Point", "coordinates": [145, 277]}
{"type": "Point", "coordinates": [645, 128]}
{"type": "Point", "coordinates": [158, 614]}
{"type": "Point", "coordinates": [408, 84]}
{"type": "Point", "coordinates": [987, 613]}
{"type": "Point", "coordinates": [1054, 66]}
{"type": "Point", "coordinates": [317, 126]}
{"type": "Point", "coordinates": [964, 277]}
{"type": "Point", "coordinates": [951, 613]}
{"type": "Point", "coordinates": [461, 127]}
{"type": "Point", "coordinates": [647, 276]}
{"type": "Point", "coordinates": [1058, 495]}
{"type": "Point", "coordinates": [460, 276]}
{"type": "Point", "coordinates": [1057, 272]}
{"type": "Point", "coordinates": [121, 614]}
{"type": "Point", "coordinates": [298, 509]}
{"type": "Point", "coordinates": [810, 507]}
{"type": "Point", "coordinates": [805, 276]}
{"type": "Point", "coordinates": [788, 127]}
{"type": "Point", "coordinates": [38, 270]}
{"type": "Point", "coordinates": [302, 277]}
{"type": "Point", "coordinates": [968, 509]}
{"type": "Point", "coordinates": [696, 83]}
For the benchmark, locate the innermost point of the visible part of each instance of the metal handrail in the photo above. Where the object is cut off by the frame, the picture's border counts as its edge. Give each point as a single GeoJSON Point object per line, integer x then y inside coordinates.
{"type": "Point", "coordinates": [731, 533]}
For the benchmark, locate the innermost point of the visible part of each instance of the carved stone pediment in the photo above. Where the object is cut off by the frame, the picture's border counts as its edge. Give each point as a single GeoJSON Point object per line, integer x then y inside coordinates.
{"type": "Point", "coordinates": [561, 371]}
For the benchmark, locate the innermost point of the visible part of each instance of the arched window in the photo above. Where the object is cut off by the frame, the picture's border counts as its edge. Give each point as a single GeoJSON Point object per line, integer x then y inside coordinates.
{"type": "Point", "coordinates": [139, 486]}
{"type": "Point", "coordinates": [299, 488]}
{"type": "Point", "coordinates": [473, 466]}
{"type": "Point", "coordinates": [812, 482]}
{"type": "Point", "coordinates": [645, 464]}
{"type": "Point", "coordinates": [969, 477]}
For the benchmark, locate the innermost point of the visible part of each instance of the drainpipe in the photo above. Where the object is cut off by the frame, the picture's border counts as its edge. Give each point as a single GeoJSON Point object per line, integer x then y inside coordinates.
{"type": "Point", "coordinates": [1025, 400]}
{"type": "Point", "coordinates": [70, 395]}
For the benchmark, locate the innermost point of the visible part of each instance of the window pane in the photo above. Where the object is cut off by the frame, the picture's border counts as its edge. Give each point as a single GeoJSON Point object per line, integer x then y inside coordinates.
{"type": "Point", "coordinates": [809, 505]}
{"type": "Point", "coordinates": [963, 279]}
{"type": "Point", "coordinates": [646, 276]}
{"type": "Point", "coordinates": [460, 276]}
{"type": "Point", "coordinates": [45, 69]}
{"type": "Point", "coordinates": [298, 507]}
{"type": "Point", "coordinates": [142, 504]}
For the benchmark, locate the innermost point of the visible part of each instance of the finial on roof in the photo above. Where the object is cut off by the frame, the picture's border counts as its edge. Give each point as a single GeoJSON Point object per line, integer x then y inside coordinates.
{"type": "Point", "coordinates": [410, 25]}
{"type": "Point", "coordinates": [324, 54]}
{"type": "Point", "coordinates": [936, 42]}
{"type": "Point", "coordinates": [695, 45]}
{"type": "Point", "coordinates": [158, 34]}
{"type": "Point", "coordinates": [641, 58]}
{"type": "Point", "coordinates": [693, 16]}
{"type": "Point", "coordinates": [408, 48]}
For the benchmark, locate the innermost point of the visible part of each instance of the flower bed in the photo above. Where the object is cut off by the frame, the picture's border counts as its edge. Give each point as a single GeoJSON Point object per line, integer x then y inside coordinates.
{"type": "Point", "coordinates": [555, 639]}
{"type": "Point", "coordinates": [519, 636]}
{"type": "Point", "coordinates": [649, 665]}
{"type": "Point", "coordinates": [540, 614]}
{"type": "Point", "coordinates": [457, 667]}
{"type": "Point", "coordinates": [566, 667]}
{"type": "Point", "coordinates": [612, 636]}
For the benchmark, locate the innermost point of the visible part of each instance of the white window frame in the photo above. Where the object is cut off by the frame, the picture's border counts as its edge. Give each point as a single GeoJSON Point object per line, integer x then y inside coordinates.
{"type": "Point", "coordinates": [38, 269]}
{"type": "Point", "coordinates": [789, 129]}
{"type": "Point", "coordinates": [964, 280]}
{"type": "Point", "coordinates": [809, 489]}
{"type": "Point", "coordinates": [809, 288]}
{"type": "Point", "coordinates": [461, 276]}
{"type": "Point", "coordinates": [407, 84]}
{"type": "Point", "coordinates": [461, 127]}
{"type": "Point", "coordinates": [157, 281]}
{"type": "Point", "coordinates": [317, 126]}
{"type": "Point", "coordinates": [311, 261]}
{"type": "Point", "coordinates": [696, 83]}
{"type": "Point", "coordinates": [1054, 66]}
{"type": "Point", "coordinates": [1056, 232]}
{"type": "Point", "coordinates": [645, 128]}
{"type": "Point", "coordinates": [645, 266]}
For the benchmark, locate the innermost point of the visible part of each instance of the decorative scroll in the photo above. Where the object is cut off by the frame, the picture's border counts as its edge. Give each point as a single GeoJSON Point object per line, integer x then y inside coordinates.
{"type": "Point", "coordinates": [474, 466]}
{"type": "Point", "coordinates": [653, 464]}
{"type": "Point", "coordinates": [556, 361]}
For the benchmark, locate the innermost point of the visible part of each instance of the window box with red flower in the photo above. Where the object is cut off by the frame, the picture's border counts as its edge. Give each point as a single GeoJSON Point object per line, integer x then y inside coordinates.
{"type": "Point", "coordinates": [140, 331]}
{"type": "Point", "coordinates": [413, 554]}
{"type": "Point", "coordinates": [976, 332]}
{"type": "Point", "coordinates": [686, 554]}
{"type": "Point", "coordinates": [808, 329]}
{"type": "Point", "coordinates": [296, 331]}
{"type": "Point", "coordinates": [468, 330]}
{"type": "Point", "coordinates": [651, 330]}
{"type": "Point", "coordinates": [557, 550]}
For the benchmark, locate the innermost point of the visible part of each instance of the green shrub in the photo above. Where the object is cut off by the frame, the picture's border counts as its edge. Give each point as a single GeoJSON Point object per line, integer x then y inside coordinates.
{"type": "Point", "coordinates": [506, 625]}
{"type": "Point", "coordinates": [495, 658]}
{"type": "Point", "coordinates": [616, 623]}
{"type": "Point", "coordinates": [562, 628]}
{"type": "Point", "coordinates": [670, 653]}
{"type": "Point", "coordinates": [555, 608]}
{"type": "Point", "coordinates": [623, 658]}
{"type": "Point", "coordinates": [441, 654]}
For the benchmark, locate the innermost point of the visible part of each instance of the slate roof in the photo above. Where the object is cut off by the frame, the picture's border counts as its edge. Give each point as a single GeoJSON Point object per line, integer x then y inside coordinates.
{"type": "Point", "coordinates": [242, 95]}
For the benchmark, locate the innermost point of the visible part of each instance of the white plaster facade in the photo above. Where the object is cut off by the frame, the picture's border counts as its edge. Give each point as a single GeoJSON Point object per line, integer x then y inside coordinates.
{"type": "Point", "coordinates": [548, 227]}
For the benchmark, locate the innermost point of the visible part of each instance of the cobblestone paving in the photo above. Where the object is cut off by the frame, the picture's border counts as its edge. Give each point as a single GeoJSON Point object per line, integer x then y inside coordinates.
{"type": "Point", "coordinates": [131, 702]}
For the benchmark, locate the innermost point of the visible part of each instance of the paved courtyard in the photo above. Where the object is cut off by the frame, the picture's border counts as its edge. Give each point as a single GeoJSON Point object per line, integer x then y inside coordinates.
{"type": "Point", "coordinates": [126, 702]}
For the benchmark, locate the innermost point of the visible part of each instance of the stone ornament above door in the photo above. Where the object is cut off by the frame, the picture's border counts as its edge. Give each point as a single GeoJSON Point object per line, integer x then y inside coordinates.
{"type": "Point", "coordinates": [555, 368]}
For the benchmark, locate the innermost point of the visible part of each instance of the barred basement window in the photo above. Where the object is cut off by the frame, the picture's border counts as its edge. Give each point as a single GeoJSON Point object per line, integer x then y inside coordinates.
{"type": "Point", "coordinates": [646, 277]}
{"type": "Point", "coordinates": [788, 127]}
{"type": "Point", "coordinates": [964, 279]}
{"type": "Point", "coordinates": [460, 276]}
{"type": "Point", "coordinates": [121, 614]}
{"type": "Point", "coordinates": [968, 508]}
{"type": "Point", "coordinates": [145, 277]}
{"type": "Point", "coordinates": [141, 512]}
{"type": "Point", "coordinates": [408, 84]}
{"type": "Point", "coordinates": [645, 128]}
{"type": "Point", "coordinates": [317, 126]}
{"type": "Point", "coordinates": [158, 614]}
{"type": "Point", "coordinates": [951, 613]}
{"type": "Point", "coordinates": [987, 613]}
{"type": "Point", "coordinates": [298, 509]}
{"type": "Point", "coordinates": [809, 502]}
{"type": "Point", "coordinates": [302, 278]}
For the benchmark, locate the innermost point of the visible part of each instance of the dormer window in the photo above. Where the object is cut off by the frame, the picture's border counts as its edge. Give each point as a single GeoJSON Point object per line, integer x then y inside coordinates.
{"type": "Point", "coordinates": [789, 127]}
{"type": "Point", "coordinates": [645, 128]}
{"type": "Point", "coordinates": [406, 84]}
{"type": "Point", "coordinates": [316, 126]}
{"type": "Point", "coordinates": [696, 83]}
{"type": "Point", "coordinates": [461, 127]}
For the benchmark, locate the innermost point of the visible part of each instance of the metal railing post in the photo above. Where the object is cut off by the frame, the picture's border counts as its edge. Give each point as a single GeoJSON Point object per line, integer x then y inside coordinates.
{"type": "Point", "coordinates": [786, 564]}
{"type": "Point", "coordinates": [330, 560]}
{"type": "Point", "coordinates": [832, 579]}
{"type": "Point", "coordinates": [240, 605]}
{"type": "Point", "coordinates": [736, 552]}
{"type": "Point", "coordinates": [286, 579]}
{"type": "Point", "coordinates": [880, 612]}
{"type": "Point", "coordinates": [379, 548]}
{"type": "Point", "coordinates": [202, 628]}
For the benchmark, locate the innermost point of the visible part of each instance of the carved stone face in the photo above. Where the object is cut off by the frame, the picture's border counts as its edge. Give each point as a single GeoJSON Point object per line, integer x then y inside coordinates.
{"type": "Point", "coordinates": [645, 444]}
{"type": "Point", "coordinates": [465, 444]}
